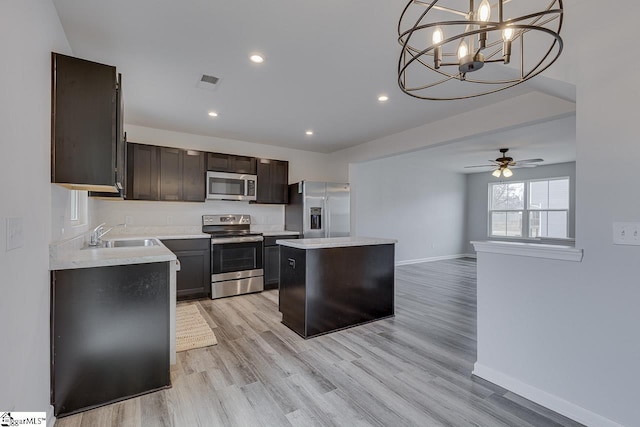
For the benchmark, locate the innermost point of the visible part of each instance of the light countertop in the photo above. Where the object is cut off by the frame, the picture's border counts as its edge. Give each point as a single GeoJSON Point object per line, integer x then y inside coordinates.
{"type": "Point", "coordinates": [334, 242]}
{"type": "Point", "coordinates": [76, 257]}
{"type": "Point", "coordinates": [69, 254]}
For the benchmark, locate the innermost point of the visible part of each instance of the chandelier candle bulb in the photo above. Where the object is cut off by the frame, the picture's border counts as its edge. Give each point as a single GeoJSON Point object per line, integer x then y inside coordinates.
{"type": "Point", "coordinates": [436, 38]}
{"type": "Point", "coordinates": [484, 13]}
{"type": "Point", "coordinates": [463, 50]}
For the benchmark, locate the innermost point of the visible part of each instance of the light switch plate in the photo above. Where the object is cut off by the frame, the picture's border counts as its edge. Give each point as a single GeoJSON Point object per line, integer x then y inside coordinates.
{"type": "Point", "coordinates": [626, 233]}
{"type": "Point", "coordinates": [15, 238]}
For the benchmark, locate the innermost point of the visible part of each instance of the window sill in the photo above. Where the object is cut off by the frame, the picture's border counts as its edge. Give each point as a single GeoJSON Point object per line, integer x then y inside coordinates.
{"type": "Point", "coordinates": [567, 240]}
{"type": "Point", "coordinates": [533, 250]}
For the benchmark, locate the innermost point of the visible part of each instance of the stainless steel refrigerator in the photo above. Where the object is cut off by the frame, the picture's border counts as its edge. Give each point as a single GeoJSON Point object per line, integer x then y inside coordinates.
{"type": "Point", "coordinates": [318, 209]}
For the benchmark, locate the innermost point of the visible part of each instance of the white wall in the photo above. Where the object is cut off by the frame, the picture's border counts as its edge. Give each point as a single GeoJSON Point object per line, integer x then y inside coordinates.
{"type": "Point", "coordinates": [570, 330]}
{"type": "Point", "coordinates": [477, 200]}
{"type": "Point", "coordinates": [29, 31]}
{"type": "Point", "coordinates": [422, 207]}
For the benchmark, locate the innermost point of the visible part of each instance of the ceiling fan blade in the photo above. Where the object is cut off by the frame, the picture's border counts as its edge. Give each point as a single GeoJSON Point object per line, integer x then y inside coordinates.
{"type": "Point", "coordinates": [481, 166]}
{"type": "Point", "coordinates": [530, 161]}
{"type": "Point", "coordinates": [526, 165]}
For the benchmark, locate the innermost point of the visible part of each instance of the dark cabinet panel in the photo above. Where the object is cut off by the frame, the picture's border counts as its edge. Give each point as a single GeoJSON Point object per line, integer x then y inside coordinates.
{"type": "Point", "coordinates": [231, 163]}
{"type": "Point", "coordinates": [271, 267]}
{"type": "Point", "coordinates": [109, 334]}
{"type": "Point", "coordinates": [193, 176]}
{"type": "Point", "coordinates": [143, 172]}
{"type": "Point", "coordinates": [84, 124]}
{"type": "Point", "coordinates": [272, 260]}
{"type": "Point", "coordinates": [242, 164]}
{"type": "Point", "coordinates": [218, 162]}
{"type": "Point", "coordinates": [273, 180]}
{"type": "Point", "coordinates": [194, 277]}
{"type": "Point", "coordinates": [171, 163]}
{"type": "Point", "coordinates": [164, 173]}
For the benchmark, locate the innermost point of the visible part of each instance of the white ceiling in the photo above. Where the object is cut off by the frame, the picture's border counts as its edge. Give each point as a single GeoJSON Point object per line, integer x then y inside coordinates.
{"type": "Point", "coordinates": [326, 63]}
{"type": "Point", "coordinates": [554, 141]}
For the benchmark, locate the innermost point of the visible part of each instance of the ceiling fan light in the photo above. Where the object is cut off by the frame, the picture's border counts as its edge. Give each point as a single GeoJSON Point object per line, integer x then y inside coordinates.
{"type": "Point", "coordinates": [497, 173]}
{"type": "Point", "coordinates": [507, 173]}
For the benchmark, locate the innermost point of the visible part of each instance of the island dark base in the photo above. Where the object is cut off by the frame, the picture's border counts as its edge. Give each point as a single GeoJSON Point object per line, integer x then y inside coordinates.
{"type": "Point", "coordinates": [325, 290]}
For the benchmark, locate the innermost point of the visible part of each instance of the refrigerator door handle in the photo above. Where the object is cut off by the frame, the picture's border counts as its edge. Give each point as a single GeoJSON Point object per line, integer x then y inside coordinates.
{"type": "Point", "coordinates": [327, 215]}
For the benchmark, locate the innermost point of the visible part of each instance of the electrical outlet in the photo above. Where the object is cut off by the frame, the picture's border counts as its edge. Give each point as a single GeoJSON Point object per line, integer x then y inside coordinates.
{"type": "Point", "coordinates": [169, 220]}
{"type": "Point", "coordinates": [128, 219]}
{"type": "Point", "coordinates": [626, 233]}
{"type": "Point", "coordinates": [15, 238]}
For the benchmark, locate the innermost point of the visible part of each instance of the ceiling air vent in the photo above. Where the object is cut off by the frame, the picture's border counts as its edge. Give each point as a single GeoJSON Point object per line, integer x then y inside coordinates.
{"type": "Point", "coordinates": [208, 82]}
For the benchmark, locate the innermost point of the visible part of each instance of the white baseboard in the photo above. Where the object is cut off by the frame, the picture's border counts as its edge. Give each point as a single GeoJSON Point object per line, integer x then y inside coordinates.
{"type": "Point", "coordinates": [432, 259]}
{"type": "Point", "coordinates": [50, 418]}
{"type": "Point", "coordinates": [550, 401]}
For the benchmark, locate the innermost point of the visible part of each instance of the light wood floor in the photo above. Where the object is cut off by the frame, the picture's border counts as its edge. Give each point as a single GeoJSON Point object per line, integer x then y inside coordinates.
{"type": "Point", "coordinates": [411, 370]}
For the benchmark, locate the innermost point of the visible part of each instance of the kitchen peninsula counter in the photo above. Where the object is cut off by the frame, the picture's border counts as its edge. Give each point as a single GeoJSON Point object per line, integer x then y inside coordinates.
{"type": "Point", "coordinates": [335, 283]}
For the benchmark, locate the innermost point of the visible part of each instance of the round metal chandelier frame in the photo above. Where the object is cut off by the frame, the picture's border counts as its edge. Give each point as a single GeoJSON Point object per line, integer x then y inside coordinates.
{"type": "Point", "coordinates": [433, 56]}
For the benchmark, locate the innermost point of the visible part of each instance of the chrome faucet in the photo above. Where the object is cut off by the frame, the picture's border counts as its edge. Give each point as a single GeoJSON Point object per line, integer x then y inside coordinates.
{"type": "Point", "coordinates": [96, 235]}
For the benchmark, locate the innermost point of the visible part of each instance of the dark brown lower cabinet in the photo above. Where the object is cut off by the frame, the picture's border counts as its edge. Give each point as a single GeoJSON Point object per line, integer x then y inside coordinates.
{"type": "Point", "coordinates": [194, 277]}
{"type": "Point", "coordinates": [109, 334]}
{"type": "Point", "coordinates": [272, 260]}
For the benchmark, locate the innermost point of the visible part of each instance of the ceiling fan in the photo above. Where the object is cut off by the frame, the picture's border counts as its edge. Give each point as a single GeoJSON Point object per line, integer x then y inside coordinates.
{"type": "Point", "coordinates": [504, 164]}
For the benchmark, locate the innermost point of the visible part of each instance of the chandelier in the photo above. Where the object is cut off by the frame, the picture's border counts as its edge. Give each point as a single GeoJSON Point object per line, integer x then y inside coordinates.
{"type": "Point", "coordinates": [453, 50]}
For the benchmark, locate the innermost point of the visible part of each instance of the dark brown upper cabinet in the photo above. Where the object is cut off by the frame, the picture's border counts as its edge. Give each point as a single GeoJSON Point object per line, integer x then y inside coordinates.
{"type": "Point", "coordinates": [87, 142]}
{"type": "Point", "coordinates": [165, 173]}
{"type": "Point", "coordinates": [231, 163]}
{"type": "Point", "coordinates": [194, 173]}
{"type": "Point", "coordinates": [273, 181]}
{"type": "Point", "coordinates": [143, 170]}
{"type": "Point", "coordinates": [171, 163]}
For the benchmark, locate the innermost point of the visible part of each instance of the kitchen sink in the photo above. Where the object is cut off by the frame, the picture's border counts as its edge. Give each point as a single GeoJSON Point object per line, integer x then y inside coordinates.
{"type": "Point", "coordinates": [128, 243]}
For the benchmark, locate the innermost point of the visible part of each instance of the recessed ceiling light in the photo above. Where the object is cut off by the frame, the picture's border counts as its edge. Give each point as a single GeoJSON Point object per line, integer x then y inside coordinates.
{"type": "Point", "coordinates": [309, 132]}
{"type": "Point", "coordinates": [258, 59]}
{"type": "Point", "coordinates": [213, 114]}
{"type": "Point", "coordinates": [383, 98]}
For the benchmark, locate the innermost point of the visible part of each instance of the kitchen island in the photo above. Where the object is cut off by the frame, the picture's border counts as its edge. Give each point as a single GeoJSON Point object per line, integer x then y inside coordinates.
{"type": "Point", "coordinates": [335, 283]}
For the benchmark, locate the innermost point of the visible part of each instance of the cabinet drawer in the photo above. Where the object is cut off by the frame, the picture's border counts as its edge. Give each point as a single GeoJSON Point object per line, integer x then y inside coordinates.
{"type": "Point", "coordinates": [187, 244]}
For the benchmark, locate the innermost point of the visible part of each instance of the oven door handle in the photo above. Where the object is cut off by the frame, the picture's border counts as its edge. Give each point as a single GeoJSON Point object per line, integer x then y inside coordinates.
{"type": "Point", "coordinates": [221, 240]}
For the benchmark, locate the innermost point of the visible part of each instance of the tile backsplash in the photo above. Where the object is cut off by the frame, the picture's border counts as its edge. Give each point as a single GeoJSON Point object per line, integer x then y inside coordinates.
{"type": "Point", "coordinates": [141, 213]}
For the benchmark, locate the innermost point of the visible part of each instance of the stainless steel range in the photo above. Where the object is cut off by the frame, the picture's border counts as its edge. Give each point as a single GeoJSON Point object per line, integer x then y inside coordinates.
{"type": "Point", "coordinates": [236, 255]}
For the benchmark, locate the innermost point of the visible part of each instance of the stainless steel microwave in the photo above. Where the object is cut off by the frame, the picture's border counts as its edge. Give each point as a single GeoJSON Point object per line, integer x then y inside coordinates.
{"type": "Point", "coordinates": [231, 186]}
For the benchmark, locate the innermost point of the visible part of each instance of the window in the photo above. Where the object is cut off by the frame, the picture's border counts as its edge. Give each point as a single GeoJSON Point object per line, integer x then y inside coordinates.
{"type": "Point", "coordinates": [529, 209]}
{"type": "Point", "coordinates": [78, 207]}
{"type": "Point", "coordinates": [73, 216]}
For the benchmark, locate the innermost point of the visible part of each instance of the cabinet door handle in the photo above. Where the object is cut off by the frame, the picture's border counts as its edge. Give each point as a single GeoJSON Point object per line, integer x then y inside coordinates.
{"type": "Point", "coordinates": [292, 263]}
